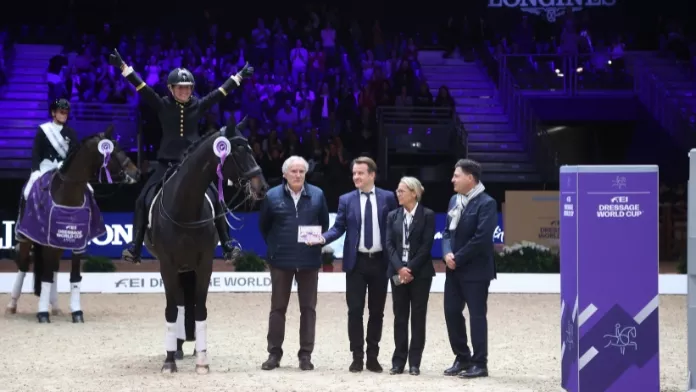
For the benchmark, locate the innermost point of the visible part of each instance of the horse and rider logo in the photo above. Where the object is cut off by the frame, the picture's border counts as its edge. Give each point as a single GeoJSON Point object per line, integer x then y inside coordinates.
{"type": "Point", "coordinates": [619, 182]}
{"type": "Point", "coordinates": [622, 338]}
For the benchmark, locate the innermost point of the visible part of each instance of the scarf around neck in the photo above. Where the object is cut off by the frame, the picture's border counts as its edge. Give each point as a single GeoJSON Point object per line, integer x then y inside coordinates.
{"type": "Point", "coordinates": [462, 201]}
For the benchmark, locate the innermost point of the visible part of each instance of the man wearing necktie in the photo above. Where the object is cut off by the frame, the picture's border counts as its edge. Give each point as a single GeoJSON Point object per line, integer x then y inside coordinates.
{"type": "Point", "coordinates": [362, 216]}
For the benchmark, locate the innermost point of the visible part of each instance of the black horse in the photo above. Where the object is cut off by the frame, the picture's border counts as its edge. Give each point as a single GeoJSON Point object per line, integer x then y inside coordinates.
{"type": "Point", "coordinates": [181, 231]}
{"type": "Point", "coordinates": [61, 214]}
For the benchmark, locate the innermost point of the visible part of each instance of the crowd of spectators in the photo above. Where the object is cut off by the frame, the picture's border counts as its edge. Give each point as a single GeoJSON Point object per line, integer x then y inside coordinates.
{"type": "Point", "coordinates": [315, 90]}
{"type": "Point", "coordinates": [543, 53]}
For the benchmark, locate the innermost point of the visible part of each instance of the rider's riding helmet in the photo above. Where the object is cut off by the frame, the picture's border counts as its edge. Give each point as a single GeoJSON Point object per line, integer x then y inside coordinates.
{"type": "Point", "coordinates": [180, 77]}
{"type": "Point", "coordinates": [59, 104]}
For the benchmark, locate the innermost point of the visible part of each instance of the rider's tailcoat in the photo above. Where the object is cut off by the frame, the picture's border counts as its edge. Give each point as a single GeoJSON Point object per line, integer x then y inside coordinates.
{"type": "Point", "coordinates": [179, 120]}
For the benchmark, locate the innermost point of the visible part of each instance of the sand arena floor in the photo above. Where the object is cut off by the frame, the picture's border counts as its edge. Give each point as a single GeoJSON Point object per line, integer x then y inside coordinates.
{"type": "Point", "coordinates": [120, 348]}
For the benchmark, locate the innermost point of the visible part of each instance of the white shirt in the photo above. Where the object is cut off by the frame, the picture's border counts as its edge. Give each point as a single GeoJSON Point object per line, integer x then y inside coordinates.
{"type": "Point", "coordinates": [408, 216]}
{"type": "Point", "coordinates": [376, 238]}
{"type": "Point", "coordinates": [295, 196]}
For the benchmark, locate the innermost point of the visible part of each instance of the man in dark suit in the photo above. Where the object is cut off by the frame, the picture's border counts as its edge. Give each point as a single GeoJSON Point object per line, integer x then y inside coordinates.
{"type": "Point", "coordinates": [467, 246]}
{"type": "Point", "coordinates": [410, 236]}
{"type": "Point", "coordinates": [362, 216]}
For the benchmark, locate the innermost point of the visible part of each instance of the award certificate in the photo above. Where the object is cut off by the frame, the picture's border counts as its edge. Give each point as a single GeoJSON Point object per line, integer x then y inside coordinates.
{"type": "Point", "coordinates": [309, 234]}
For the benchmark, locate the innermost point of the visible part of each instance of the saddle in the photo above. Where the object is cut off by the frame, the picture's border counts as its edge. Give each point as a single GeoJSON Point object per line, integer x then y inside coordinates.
{"type": "Point", "coordinates": [155, 191]}
{"type": "Point", "coordinates": [53, 225]}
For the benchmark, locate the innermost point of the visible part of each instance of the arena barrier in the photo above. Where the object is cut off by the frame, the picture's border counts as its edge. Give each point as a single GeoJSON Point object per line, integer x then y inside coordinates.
{"type": "Point", "coordinates": [329, 282]}
{"type": "Point", "coordinates": [119, 232]}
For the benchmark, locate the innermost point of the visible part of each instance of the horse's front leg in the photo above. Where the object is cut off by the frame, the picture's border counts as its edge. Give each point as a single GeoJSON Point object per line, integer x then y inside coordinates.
{"type": "Point", "coordinates": [202, 283]}
{"type": "Point", "coordinates": [75, 282]}
{"type": "Point", "coordinates": [50, 258]}
{"type": "Point", "coordinates": [185, 322]}
{"type": "Point", "coordinates": [23, 261]}
{"type": "Point", "coordinates": [174, 296]}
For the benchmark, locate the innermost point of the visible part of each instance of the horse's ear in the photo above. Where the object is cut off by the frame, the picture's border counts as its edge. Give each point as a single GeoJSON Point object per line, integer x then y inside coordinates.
{"type": "Point", "coordinates": [109, 131]}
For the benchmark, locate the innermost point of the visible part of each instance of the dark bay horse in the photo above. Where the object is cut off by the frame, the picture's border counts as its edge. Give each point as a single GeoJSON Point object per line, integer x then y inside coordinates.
{"type": "Point", "coordinates": [181, 231]}
{"type": "Point", "coordinates": [61, 214]}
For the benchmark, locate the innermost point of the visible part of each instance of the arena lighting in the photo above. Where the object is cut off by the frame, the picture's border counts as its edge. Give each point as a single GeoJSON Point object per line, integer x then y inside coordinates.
{"type": "Point", "coordinates": [579, 70]}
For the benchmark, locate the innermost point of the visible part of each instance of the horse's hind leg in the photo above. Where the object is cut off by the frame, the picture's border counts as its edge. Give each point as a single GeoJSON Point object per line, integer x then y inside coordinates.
{"type": "Point", "coordinates": [75, 281]}
{"type": "Point", "coordinates": [49, 258]}
{"type": "Point", "coordinates": [174, 296]}
{"type": "Point", "coordinates": [23, 261]}
{"type": "Point", "coordinates": [202, 283]}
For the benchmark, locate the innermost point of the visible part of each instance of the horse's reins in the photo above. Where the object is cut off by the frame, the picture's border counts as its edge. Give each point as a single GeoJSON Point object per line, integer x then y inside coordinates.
{"type": "Point", "coordinates": [121, 157]}
{"type": "Point", "coordinates": [241, 186]}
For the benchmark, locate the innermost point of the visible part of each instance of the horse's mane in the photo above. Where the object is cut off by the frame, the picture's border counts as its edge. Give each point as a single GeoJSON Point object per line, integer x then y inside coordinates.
{"type": "Point", "coordinates": [195, 145]}
{"type": "Point", "coordinates": [72, 152]}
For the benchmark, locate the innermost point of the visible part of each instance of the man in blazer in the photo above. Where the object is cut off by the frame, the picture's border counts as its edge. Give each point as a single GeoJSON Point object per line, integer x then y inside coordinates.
{"type": "Point", "coordinates": [410, 237]}
{"type": "Point", "coordinates": [362, 216]}
{"type": "Point", "coordinates": [467, 246]}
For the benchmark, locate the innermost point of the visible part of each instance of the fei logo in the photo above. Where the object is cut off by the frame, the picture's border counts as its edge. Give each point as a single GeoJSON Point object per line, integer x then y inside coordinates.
{"type": "Point", "coordinates": [619, 199]}
{"type": "Point", "coordinates": [552, 9]}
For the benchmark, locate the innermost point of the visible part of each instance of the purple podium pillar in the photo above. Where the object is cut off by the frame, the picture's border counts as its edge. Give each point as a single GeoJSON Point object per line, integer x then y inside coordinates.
{"type": "Point", "coordinates": [609, 278]}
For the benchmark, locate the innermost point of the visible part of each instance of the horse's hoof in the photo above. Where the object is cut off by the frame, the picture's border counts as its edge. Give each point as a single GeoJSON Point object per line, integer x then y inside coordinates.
{"type": "Point", "coordinates": [202, 369]}
{"type": "Point", "coordinates": [179, 355]}
{"type": "Point", "coordinates": [11, 310]}
{"type": "Point", "coordinates": [169, 367]}
{"type": "Point", "coordinates": [43, 318]}
{"type": "Point", "coordinates": [194, 353]}
{"type": "Point", "coordinates": [78, 317]}
{"type": "Point", "coordinates": [56, 312]}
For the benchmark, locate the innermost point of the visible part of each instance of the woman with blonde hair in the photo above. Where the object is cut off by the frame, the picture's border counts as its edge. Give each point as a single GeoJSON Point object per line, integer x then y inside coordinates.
{"type": "Point", "coordinates": [410, 236]}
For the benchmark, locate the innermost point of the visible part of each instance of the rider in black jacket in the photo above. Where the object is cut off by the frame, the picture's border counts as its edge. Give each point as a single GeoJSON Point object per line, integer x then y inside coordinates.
{"type": "Point", "coordinates": [179, 116]}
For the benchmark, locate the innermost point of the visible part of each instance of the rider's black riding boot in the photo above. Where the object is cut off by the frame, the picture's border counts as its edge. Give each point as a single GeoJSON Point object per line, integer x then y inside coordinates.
{"type": "Point", "coordinates": [132, 254]}
{"type": "Point", "coordinates": [229, 246]}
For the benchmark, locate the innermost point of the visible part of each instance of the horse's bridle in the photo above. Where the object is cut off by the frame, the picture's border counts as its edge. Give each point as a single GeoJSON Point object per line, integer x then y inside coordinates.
{"type": "Point", "coordinates": [236, 142]}
{"type": "Point", "coordinates": [120, 156]}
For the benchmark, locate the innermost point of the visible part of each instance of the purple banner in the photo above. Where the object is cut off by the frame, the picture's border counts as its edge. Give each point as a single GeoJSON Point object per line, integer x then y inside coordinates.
{"type": "Point", "coordinates": [609, 278]}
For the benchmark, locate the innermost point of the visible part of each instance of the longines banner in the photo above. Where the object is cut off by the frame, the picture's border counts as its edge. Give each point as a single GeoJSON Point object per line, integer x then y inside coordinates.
{"type": "Point", "coordinates": [551, 9]}
{"type": "Point", "coordinates": [532, 216]}
{"type": "Point", "coordinates": [119, 232]}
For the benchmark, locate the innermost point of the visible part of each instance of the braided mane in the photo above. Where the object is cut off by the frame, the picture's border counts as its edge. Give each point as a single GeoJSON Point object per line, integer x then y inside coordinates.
{"type": "Point", "coordinates": [195, 145]}
{"type": "Point", "coordinates": [72, 152]}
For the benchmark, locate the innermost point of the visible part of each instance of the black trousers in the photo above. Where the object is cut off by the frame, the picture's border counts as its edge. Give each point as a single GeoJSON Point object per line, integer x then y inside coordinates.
{"type": "Point", "coordinates": [459, 294]}
{"type": "Point", "coordinates": [368, 277]}
{"type": "Point", "coordinates": [410, 299]}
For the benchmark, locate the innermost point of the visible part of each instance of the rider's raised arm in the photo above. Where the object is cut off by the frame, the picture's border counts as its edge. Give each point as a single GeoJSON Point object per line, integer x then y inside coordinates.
{"type": "Point", "coordinates": [220, 93]}
{"type": "Point", "coordinates": [230, 84]}
{"type": "Point", "coordinates": [149, 95]}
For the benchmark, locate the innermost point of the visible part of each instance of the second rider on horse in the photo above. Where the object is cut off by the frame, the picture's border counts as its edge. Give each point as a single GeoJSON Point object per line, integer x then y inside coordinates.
{"type": "Point", "coordinates": [179, 116]}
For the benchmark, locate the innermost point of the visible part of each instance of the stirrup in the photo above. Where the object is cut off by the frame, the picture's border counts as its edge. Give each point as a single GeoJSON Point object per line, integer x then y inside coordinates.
{"type": "Point", "coordinates": [130, 255]}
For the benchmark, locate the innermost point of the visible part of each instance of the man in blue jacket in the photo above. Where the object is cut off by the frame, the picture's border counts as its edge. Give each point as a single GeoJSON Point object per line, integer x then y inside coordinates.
{"type": "Point", "coordinates": [362, 216]}
{"type": "Point", "coordinates": [288, 207]}
{"type": "Point", "coordinates": [467, 246]}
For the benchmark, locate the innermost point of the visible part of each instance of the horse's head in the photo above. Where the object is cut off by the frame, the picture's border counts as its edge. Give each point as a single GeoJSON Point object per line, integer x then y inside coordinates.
{"type": "Point", "coordinates": [239, 164]}
{"type": "Point", "coordinates": [105, 154]}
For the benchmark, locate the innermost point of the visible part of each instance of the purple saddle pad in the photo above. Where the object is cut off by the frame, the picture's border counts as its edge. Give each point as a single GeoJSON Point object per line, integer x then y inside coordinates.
{"type": "Point", "coordinates": [57, 226]}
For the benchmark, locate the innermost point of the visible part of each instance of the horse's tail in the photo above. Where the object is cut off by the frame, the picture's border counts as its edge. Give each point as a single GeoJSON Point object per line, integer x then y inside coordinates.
{"type": "Point", "coordinates": [38, 268]}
